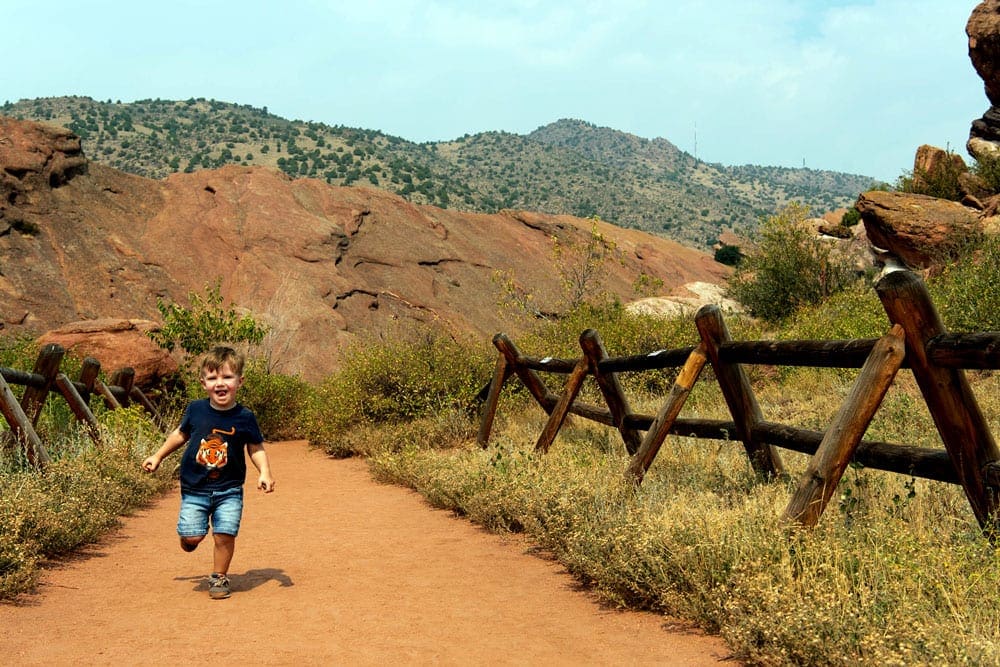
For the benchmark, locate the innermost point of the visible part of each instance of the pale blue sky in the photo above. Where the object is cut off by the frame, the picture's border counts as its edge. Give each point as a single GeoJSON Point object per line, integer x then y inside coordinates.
{"type": "Point", "coordinates": [849, 85]}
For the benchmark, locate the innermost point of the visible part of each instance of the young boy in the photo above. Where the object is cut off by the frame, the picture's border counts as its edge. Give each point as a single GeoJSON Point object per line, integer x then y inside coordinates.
{"type": "Point", "coordinates": [213, 467]}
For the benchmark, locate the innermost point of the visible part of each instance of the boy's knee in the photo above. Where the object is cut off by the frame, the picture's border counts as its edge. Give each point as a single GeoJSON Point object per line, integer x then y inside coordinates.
{"type": "Point", "coordinates": [191, 543]}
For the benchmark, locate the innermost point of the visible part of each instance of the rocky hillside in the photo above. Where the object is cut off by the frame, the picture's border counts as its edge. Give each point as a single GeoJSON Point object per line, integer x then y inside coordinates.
{"type": "Point", "coordinates": [321, 264]}
{"type": "Point", "coordinates": [567, 167]}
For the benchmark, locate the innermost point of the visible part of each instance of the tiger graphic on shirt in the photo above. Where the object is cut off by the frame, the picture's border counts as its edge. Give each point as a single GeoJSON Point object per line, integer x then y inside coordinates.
{"type": "Point", "coordinates": [213, 451]}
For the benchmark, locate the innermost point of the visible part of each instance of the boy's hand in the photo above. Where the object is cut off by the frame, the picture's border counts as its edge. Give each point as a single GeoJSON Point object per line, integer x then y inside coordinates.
{"type": "Point", "coordinates": [151, 464]}
{"type": "Point", "coordinates": [265, 483]}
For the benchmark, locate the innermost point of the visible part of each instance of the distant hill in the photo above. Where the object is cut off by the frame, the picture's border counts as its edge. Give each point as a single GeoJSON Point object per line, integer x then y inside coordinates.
{"type": "Point", "coordinates": [566, 167]}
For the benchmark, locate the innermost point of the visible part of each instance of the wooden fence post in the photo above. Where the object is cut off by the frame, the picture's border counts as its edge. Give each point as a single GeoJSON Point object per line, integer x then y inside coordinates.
{"type": "Point", "coordinates": [956, 413]}
{"type": "Point", "coordinates": [22, 430]}
{"type": "Point", "coordinates": [124, 378]}
{"type": "Point", "coordinates": [79, 407]}
{"type": "Point", "coordinates": [667, 415]}
{"type": "Point", "coordinates": [500, 375]}
{"type": "Point", "coordinates": [105, 392]}
{"type": "Point", "coordinates": [561, 408]}
{"type": "Point", "coordinates": [737, 391]}
{"type": "Point", "coordinates": [47, 365]}
{"type": "Point", "coordinates": [527, 376]}
{"type": "Point", "coordinates": [137, 394]}
{"type": "Point", "coordinates": [845, 432]}
{"type": "Point", "coordinates": [89, 371]}
{"type": "Point", "coordinates": [611, 389]}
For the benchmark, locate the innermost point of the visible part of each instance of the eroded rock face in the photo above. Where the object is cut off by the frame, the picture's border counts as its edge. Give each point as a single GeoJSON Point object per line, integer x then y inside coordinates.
{"type": "Point", "coordinates": [322, 266]}
{"type": "Point", "coordinates": [921, 231]}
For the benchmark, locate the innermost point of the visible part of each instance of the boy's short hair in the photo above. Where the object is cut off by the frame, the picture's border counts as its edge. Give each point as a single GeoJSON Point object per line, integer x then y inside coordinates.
{"type": "Point", "coordinates": [221, 355]}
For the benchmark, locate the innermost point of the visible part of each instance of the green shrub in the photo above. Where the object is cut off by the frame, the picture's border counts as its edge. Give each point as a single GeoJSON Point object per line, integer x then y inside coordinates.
{"type": "Point", "coordinates": [277, 400]}
{"type": "Point", "coordinates": [394, 381]}
{"type": "Point", "coordinates": [729, 255]}
{"type": "Point", "coordinates": [790, 267]}
{"type": "Point", "coordinates": [988, 170]}
{"type": "Point", "coordinates": [855, 312]}
{"type": "Point", "coordinates": [965, 293]}
{"type": "Point", "coordinates": [204, 324]}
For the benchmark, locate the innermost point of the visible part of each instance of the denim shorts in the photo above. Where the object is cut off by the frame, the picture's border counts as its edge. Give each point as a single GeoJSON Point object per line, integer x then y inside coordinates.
{"type": "Point", "coordinates": [224, 508]}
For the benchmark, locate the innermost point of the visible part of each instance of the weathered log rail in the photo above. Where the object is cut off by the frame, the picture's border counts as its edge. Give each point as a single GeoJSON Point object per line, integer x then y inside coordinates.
{"type": "Point", "coordinates": [22, 415]}
{"type": "Point", "coordinates": [916, 341]}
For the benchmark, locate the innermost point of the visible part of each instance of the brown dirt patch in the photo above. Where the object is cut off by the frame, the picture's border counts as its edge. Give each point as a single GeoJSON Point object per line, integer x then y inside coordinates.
{"type": "Point", "coordinates": [331, 568]}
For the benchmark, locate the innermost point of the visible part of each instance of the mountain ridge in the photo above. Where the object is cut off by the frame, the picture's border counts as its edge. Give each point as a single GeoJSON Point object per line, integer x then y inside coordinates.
{"type": "Point", "coordinates": [566, 167]}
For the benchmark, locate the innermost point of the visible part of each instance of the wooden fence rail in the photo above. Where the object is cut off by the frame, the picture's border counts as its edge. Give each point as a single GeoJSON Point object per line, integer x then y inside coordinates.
{"type": "Point", "coordinates": [22, 415]}
{"type": "Point", "coordinates": [916, 341]}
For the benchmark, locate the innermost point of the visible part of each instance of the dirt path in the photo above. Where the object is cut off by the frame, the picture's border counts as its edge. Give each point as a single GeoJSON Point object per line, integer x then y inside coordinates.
{"type": "Point", "coordinates": [332, 568]}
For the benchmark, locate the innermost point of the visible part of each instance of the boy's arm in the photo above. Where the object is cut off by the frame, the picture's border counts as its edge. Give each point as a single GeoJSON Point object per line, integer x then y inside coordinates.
{"type": "Point", "coordinates": [259, 458]}
{"type": "Point", "coordinates": [175, 440]}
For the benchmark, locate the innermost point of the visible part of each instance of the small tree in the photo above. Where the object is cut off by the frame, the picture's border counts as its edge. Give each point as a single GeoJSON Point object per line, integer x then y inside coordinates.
{"type": "Point", "coordinates": [790, 267]}
{"type": "Point", "coordinates": [204, 324]}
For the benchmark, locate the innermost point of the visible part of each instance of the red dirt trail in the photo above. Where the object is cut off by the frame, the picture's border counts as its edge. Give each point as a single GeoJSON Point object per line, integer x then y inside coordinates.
{"type": "Point", "coordinates": [331, 568]}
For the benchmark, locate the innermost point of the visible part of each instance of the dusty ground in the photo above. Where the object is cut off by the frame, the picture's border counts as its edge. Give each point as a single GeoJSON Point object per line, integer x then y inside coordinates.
{"type": "Point", "coordinates": [332, 568]}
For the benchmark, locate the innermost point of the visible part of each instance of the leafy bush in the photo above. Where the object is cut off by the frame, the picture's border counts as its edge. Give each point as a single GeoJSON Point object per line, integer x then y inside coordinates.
{"type": "Point", "coordinates": [965, 293]}
{"type": "Point", "coordinates": [395, 381]}
{"type": "Point", "coordinates": [790, 267]}
{"type": "Point", "coordinates": [988, 170]}
{"type": "Point", "coordinates": [277, 400]}
{"type": "Point", "coordinates": [851, 217]}
{"type": "Point", "coordinates": [624, 333]}
{"type": "Point", "coordinates": [855, 312]}
{"type": "Point", "coordinates": [204, 324]}
{"type": "Point", "coordinates": [729, 255]}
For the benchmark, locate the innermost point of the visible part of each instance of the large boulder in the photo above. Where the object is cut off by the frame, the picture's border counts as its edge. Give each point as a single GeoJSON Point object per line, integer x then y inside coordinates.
{"type": "Point", "coordinates": [921, 231]}
{"type": "Point", "coordinates": [983, 29]}
{"type": "Point", "coordinates": [117, 344]}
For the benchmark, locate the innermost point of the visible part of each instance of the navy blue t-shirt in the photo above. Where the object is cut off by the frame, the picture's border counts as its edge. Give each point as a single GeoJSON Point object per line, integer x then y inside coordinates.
{"type": "Point", "coordinates": [214, 458]}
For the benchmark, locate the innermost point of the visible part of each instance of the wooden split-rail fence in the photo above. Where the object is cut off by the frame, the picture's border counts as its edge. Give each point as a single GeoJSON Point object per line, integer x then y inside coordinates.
{"type": "Point", "coordinates": [916, 340]}
{"type": "Point", "coordinates": [22, 415]}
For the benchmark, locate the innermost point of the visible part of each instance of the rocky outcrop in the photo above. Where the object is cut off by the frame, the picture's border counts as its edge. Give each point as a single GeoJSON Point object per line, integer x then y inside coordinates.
{"type": "Point", "coordinates": [983, 30]}
{"type": "Point", "coordinates": [920, 231]}
{"type": "Point", "coordinates": [686, 301]}
{"type": "Point", "coordinates": [117, 344]}
{"type": "Point", "coordinates": [322, 266]}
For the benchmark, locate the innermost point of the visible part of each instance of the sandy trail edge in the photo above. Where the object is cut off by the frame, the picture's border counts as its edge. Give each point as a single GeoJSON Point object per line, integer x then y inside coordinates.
{"type": "Point", "coordinates": [331, 568]}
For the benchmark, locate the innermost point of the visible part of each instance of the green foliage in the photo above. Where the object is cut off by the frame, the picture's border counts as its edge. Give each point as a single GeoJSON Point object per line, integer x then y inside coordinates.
{"type": "Point", "coordinates": [277, 400]}
{"type": "Point", "coordinates": [988, 170]}
{"type": "Point", "coordinates": [790, 267]}
{"type": "Point", "coordinates": [729, 255]}
{"type": "Point", "coordinates": [204, 324]}
{"type": "Point", "coordinates": [395, 381]}
{"type": "Point", "coordinates": [582, 266]}
{"type": "Point", "coordinates": [965, 293]}
{"type": "Point", "coordinates": [855, 312]}
{"type": "Point", "coordinates": [565, 167]}
{"type": "Point", "coordinates": [851, 217]}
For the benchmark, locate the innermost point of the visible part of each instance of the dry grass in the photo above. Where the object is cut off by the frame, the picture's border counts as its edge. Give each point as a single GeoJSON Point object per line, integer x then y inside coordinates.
{"type": "Point", "coordinates": [897, 573]}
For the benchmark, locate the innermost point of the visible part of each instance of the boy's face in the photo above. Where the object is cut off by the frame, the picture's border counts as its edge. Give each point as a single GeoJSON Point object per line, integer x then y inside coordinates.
{"type": "Point", "coordinates": [221, 385]}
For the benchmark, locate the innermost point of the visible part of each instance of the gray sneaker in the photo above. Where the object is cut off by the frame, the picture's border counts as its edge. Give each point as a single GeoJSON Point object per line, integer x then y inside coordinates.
{"type": "Point", "coordinates": [218, 587]}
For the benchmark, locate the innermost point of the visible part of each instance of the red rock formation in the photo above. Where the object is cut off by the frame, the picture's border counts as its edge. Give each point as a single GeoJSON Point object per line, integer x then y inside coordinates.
{"type": "Point", "coordinates": [322, 265]}
{"type": "Point", "coordinates": [921, 231]}
{"type": "Point", "coordinates": [117, 344]}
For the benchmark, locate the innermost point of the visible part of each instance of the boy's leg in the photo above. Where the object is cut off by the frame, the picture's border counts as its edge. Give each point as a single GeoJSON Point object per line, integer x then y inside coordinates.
{"type": "Point", "coordinates": [225, 546]}
{"type": "Point", "coordinates": [192, 521]}
{"type": "Point", "coordinates": [191, 543]}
